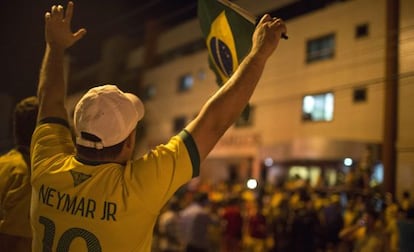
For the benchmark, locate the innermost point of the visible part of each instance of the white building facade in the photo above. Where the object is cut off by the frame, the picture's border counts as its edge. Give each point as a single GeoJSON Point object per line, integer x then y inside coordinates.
{"type": "Point", "coordinates": [320, 99]}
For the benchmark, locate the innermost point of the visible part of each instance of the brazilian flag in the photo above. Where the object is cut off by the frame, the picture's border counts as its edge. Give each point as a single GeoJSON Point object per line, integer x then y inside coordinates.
{"type": "Point", "coordinates": [228, 36]}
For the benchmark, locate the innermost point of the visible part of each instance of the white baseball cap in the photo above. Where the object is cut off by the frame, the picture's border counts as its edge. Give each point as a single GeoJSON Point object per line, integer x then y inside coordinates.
{"type": "Point", "coordinates": [108, 114]}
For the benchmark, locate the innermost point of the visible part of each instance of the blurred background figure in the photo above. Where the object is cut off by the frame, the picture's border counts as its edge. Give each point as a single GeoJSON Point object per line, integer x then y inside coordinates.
{"type": "Point", "coordinates": [406, 202]}
{"type": "Point", "coordinates": [390, 222]}
{"type": "Point", "coordinates": [15, 187]}
{"type": "Point", "coordinates": [305, 224]}
{"type": "Point", "coordinates": [332, 222]}
{"type": "Point", "coordinates": [169, 229]}
{"type": "Point", "coordinates": [257, 229]}
{"type": "Point", "coordinates": [196, 224]}
{"type": "Point", "coordinates": [367, 234]}
{"type": "Point", "coordinates": [232, 225]}
{"type": "Point", "coordinates": [406, 231]}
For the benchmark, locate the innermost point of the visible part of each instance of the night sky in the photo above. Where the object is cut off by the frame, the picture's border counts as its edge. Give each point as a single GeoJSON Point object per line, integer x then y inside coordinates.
{"type": "Point", "coordinates": [22, 40]}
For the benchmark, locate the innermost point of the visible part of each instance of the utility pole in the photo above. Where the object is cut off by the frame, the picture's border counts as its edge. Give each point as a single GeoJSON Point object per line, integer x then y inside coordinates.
{"type": "Point", "coordinates": [389, 154]}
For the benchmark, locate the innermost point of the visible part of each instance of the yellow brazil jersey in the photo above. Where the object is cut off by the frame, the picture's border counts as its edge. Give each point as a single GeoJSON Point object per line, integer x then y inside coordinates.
{"type": "Point", "coordinates": [102, 207]}
{"type": "Point", "coordinates": [15, 192]}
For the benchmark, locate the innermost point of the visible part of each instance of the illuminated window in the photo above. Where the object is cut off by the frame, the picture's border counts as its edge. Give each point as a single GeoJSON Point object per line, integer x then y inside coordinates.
{"type": "Point", "coordinates": [185, 83]}
{"type": "Point", "coordinates": [330, 177]}
{"type": "Point", "coordinates": [298, 172]}
{"type": "Point", "coordinates": [377, 176]}
{"type": "Point", "coordinates": [315, 174]}
{"type": "Point", "coordinates": [318, 107]}
{"type": "Point", "coordinates": [320, 48]}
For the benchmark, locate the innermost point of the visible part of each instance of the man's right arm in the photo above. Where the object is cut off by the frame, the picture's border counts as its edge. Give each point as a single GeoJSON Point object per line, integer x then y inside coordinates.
{"type": "Point", "coordinates": [52, 87]}
{"type": "Point", "coordinates": [226, 105]}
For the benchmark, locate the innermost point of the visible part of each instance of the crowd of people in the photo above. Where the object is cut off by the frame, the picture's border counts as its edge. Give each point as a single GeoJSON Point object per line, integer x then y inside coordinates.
{"type": "Point", "coordinates": [231, 218]}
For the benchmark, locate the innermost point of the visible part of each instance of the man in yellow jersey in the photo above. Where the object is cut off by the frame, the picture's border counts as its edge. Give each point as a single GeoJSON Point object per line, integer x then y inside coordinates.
{"type": "Point", "coordinates": [15, 188]}
{"type": "Point", "coordinates": [89, 195]}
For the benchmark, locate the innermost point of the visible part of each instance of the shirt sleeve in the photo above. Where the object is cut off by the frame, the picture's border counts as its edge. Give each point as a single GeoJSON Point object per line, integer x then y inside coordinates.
{"type": "Point", "coordinates": [159, 173]}
{"type": "Point", "coordinates": [51, 142]}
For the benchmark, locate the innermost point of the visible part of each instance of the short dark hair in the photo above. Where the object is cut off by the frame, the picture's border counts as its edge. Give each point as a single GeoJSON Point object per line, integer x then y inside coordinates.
{"type": "Point", "coordinates": [24, 120]}
{"type": "Point", "coordinates": [201, 198]}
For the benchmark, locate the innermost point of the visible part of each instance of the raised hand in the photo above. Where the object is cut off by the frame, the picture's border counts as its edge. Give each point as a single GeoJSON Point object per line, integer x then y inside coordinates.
{"type": "Point", "coordinates": [58, 33]}
{"type": "Point", "coordinates": [267, 35]}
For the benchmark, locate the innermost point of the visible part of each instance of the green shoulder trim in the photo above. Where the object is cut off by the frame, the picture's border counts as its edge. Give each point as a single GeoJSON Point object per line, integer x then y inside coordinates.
{"type": "Point", "coordinates": [192, 150]}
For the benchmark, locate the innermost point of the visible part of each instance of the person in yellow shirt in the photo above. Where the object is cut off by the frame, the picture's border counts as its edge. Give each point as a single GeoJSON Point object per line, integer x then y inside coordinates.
{"type": "Point", "coordinates": [367, 234]}
{"type": "Point", "coordinates": [15, 188]}
{"type": "Point", "coordinates": [90, 194]}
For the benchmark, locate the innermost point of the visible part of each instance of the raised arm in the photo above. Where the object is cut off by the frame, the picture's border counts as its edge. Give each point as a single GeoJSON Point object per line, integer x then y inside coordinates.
{"type": "Point", "coordinates": [226, 105]}
{"type": "Point", "coordinates": [52, 87]}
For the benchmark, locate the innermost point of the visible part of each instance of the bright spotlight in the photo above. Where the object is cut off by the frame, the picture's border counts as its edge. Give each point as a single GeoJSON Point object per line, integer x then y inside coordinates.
{"type": "Point", "coordinates": [348, 161]}
{"type": "Point", "coordinates": [251, 184]}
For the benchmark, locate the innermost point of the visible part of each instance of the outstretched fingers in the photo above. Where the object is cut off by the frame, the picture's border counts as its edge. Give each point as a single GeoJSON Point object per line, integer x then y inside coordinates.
{"type": "Point", "coordinates": [47, 16]}
{"type": "Point", "coordinates": [57, 12]}
{"type": "Point", "coordinates": [79, 34]}
{"type": "Point", "coordinates": [53, 10]}
{"type": "Point", "coordinates": [58, 27]}
{"type": "Point", "coordinates": [278, 25]}
{"type": "Point", "coordinates": [69, 12]}
{"type": "Point", "coordinates": [273, 23]}
{"type": "Point", "coordinates": [265, 18]}
{"type": "Point", "coordinates": [68, 19]}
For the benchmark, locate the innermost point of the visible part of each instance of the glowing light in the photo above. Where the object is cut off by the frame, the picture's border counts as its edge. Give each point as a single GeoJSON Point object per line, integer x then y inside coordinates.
{"type": "Point", "coordinates": [308, 104]}
{"type": "Point", "coordinates": [251, 184]}
{"type": "Point", "coordinates": [348, 161]}
{"type": "Point", "coordinates": [268, 162]}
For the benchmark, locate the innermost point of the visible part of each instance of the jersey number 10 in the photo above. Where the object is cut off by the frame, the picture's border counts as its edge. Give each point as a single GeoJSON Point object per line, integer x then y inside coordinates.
{"type": "Point", "coordinates": [92, 242]}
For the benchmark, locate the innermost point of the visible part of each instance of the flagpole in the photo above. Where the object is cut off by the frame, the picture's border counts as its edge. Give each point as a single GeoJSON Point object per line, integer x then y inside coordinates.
{"type": "Point", "coordinates": [244, 13]}
{"type": "Point", "coordinates": [247, 15]}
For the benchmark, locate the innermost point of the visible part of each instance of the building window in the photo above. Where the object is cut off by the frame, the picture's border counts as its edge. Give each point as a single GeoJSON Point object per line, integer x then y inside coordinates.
{"type": "Point", "coordinates": [179, 123]}
{"type": "Point", "coordinates": [185, 83]}
{"type": "Point", "coordinates": [361, 31]}
{"type": "Point", "coordinates": [305, 173]}
{"type": "Point", "coordinates": [149, 92]}
{"type": "Point", "coordinates": [360, 95]}
{"type": "Point", "coordinates": [318, 107]}
{"type": "Point", "coordinates": [320, 48]}
{"type": "Point", "coordinates": [246, 118]}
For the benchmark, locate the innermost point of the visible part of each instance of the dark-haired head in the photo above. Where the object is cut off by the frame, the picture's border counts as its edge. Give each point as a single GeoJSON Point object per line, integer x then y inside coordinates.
{"type": "Point", "coordinates": [24, 120]}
